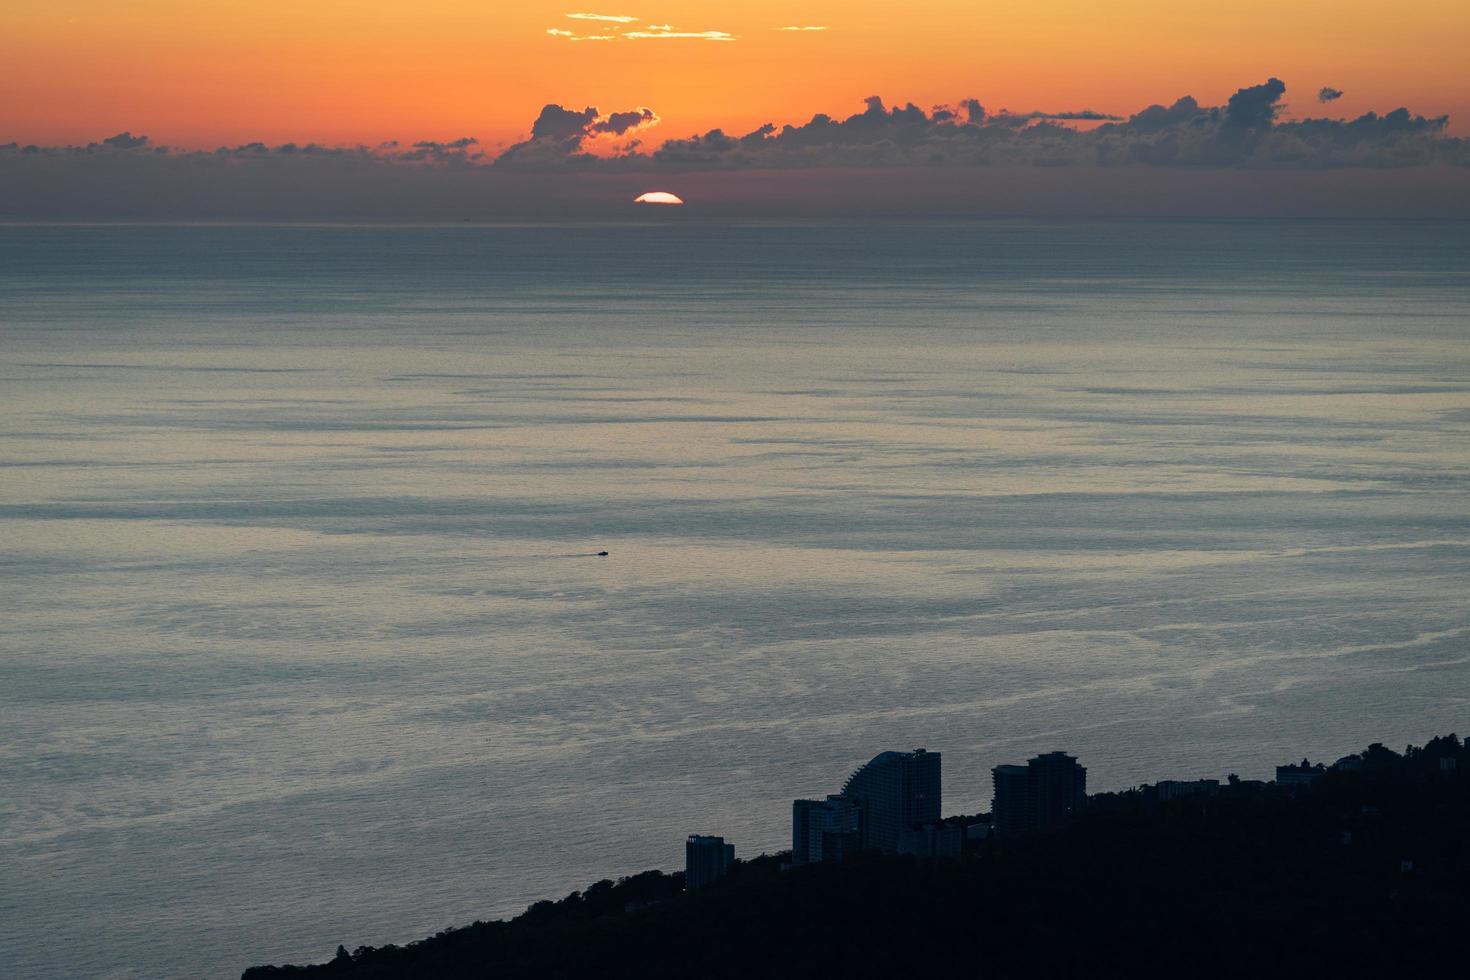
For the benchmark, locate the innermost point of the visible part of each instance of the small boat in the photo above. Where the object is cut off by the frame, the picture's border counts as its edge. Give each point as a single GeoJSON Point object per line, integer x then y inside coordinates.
{"type": "Point", "coordinates": [602, 554]}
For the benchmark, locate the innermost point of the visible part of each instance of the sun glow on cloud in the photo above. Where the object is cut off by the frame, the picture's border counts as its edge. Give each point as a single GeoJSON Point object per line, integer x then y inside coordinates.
{"type": "Point", "coordinates": [652, 32]}
{"type": "Point", "coordinates": [812, 27]}
{"type": "Point", "coordinates": [609, 18]}
{"type": "Point", "coordinates": [691, 35]}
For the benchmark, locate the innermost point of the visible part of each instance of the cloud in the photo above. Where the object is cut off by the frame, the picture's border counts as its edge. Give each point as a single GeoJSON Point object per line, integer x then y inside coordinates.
{"type": "Point", "coordinates": [559, 135]}
{"type": "Point", "coordinates": [813, 27]}
{"type": "Point", "coordinates": [609, 18]}
{"type": "Point", "coordinates": [619, 123]}
{"type": "Point", "coordinates": [1021, 119]}
{"type": "Point", "coordinates": [461, 151]}
{"type": "Point", "coordinates": [572, 36]}
{"type": "Point", "coordinates": [879, 136]}
{"type": "Point", "coordinates": [1088, 115]}
{"type": "Point", "coordinates": [1256, 106]}
{"type": "Point", "coordinates": [661, 32]}
{"type": "Point", "coordinates": [125, 141]}
{"type": "Point", "coordinates": [1184, 112]}
{"type": "Point", "coordinates": [1245, 132]}
{"type": "Point", "coordinates": [562, 124]}
{"type": "Point", "coordinates": [577, 154]}
{"type": "Point", "coordinates": [680, 35]}
{"type": "Point", "coordinates": [1328, 94]}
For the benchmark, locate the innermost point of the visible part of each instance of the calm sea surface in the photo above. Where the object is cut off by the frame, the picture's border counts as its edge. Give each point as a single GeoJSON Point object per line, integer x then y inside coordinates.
{"type": "Point", "coordinates": [303, 640]}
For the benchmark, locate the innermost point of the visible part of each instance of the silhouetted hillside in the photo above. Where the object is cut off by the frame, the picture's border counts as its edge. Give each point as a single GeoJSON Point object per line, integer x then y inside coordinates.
{"type": "Point", "coordinates": [1365, 872]}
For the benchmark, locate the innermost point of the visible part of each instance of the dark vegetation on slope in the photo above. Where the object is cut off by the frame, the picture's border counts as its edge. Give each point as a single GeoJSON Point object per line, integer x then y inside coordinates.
{"type": "Point", "coordinates": [1365, 873]}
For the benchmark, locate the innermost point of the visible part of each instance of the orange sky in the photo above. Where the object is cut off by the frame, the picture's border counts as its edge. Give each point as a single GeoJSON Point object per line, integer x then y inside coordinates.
{"type": "Point", "coordinates": [199, 73]}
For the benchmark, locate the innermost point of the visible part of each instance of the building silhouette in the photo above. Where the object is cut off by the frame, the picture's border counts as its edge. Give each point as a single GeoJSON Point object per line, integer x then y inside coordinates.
{"type": "Point", "coordinates": [1049, 788]}
{"type": "Point", "coordinates": [893, 791]}
{"type": "Point", "coordinates": [706, 859]}
{"type": "Point", "coordinates": [825, 830]}
{"type": "Point", "coordinates": [1057, 788]}
{"type": "Point", "coordinates": [1008, 804]}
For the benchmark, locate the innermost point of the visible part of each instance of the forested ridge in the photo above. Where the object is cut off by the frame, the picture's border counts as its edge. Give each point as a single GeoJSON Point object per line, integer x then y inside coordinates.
{"type": "Point", "coordinates": [1365, 872]}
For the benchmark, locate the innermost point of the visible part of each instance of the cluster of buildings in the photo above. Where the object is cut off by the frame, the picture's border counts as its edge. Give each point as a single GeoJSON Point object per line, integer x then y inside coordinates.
{"type": "Point", "coordinates": [892, 805]}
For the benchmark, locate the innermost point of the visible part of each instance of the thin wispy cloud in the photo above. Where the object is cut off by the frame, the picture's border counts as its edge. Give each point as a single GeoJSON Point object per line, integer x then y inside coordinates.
{"type": "Point", "coordinates": [608, 18]}
{"type": "Point", "coordinates": [811, 27]}
{"type": "Point", "coordinates": [680, 35]}
{"type": "Point", "coordinates": [664, 32]}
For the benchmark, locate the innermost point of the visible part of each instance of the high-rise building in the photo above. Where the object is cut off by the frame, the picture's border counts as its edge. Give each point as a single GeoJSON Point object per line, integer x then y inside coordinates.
{"type": "Point", "coordinates": [895, 790]}
{"type": "Point", "coordinates": [706, 859]}
{"type": "Point", "coordinates": [1057, 788]}
{"type": "Point", "coordinates": [1048, 788]}
{"type": "Point", "coordinates": [1008, 805]}
{"type": "Point", "coordinates": [825, 830]}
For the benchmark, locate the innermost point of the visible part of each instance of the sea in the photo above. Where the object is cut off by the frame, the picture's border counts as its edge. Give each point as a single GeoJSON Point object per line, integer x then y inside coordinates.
{"type": "Point", "coordinates": [306, 640]}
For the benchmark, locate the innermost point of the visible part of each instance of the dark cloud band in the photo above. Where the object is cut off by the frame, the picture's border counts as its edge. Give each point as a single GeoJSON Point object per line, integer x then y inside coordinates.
{"type": "Point", "coordinates": [1245, 132]}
